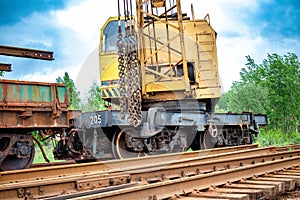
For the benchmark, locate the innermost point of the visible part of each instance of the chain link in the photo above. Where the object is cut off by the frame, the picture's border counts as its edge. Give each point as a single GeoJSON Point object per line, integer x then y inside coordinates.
{"type": "Point", "coordinates": [130, 89]}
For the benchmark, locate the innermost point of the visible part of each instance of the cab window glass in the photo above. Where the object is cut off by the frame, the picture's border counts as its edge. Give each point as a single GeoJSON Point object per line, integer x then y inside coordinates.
{"type": "Point", "coordinates": [110, 35]}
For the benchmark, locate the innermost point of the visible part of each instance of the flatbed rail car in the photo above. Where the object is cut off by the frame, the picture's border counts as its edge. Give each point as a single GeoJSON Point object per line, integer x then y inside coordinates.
{"type": "Point", "coordinates": [26, 107]}
{"type": "Point", "coordinates": [107, 136]}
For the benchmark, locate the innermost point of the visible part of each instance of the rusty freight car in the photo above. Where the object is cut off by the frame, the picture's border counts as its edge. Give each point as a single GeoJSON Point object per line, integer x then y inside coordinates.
{"type": "Point", "coordinates": [25, 107]}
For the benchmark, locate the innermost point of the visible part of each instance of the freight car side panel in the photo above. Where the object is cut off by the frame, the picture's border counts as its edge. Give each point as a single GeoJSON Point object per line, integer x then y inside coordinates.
{"type": "Point", "coordinates": [30, 92]}
{"type": "Point", "coordinates": [33, 105]}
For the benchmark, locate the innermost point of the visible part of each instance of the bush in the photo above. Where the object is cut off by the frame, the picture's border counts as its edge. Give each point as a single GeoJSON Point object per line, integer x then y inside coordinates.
{"type": "Point", "coordinates": [277, 138]}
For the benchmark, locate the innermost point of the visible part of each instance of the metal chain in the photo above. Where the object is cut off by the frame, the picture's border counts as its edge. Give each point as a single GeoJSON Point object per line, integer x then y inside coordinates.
{"type": "Point", "coordinates": [122, 67]}
{"type": "Point", "coordinates": [130, 89]}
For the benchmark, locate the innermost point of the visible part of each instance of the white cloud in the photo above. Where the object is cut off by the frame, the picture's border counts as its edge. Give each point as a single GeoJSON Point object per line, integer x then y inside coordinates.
{"type": "Point", "coordinates": [231, 54]}
{"type": "Point", "coordinates": [86, 18]}
{"type": "Point", "coordinates": [83, 21]}
{"type": "Point", "coordinates": [49, 75]}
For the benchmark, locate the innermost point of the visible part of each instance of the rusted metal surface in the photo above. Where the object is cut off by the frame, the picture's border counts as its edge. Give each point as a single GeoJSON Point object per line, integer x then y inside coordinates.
{"type": "Point", "coordinates": [33, 105]}
{"type": "Point", "coordinates": [58, 163]}
{"type": "Point", "coordinates": [26, 107]}
{"type": "Point", "coordinates": [5, 67]}
{"type": "Point", "coordinates": [193, 167]}
{"type": "Point", "coordinates": [288, 148]}
{"type": "Point", "coordinates": [94, 191]}
{"type": "Point", "coordinates": [64, 185]}
{"type": "Point", "coordinates": [26, 53]}
{"type": "Point", "coordinates": [187, 185]}
{"type": "Point", "coordinates": [74, 113]}
{"type": "Point", "coordinates": [177, 178]}
{"type": "Point", "coordinates": [164, 159]}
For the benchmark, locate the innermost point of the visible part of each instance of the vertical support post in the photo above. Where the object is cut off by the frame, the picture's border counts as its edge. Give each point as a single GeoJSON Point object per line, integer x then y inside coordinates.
{"type": "Point", "coordinates": [141, 42]}
{"type": "Point", "coordinates": [154, 36]}
{"type": "Point", "coordinates": [168, 38]}
{"type": "Point", "coordinates": [184, 62]}
{"type": "Point", "coordinates": [95, 143]}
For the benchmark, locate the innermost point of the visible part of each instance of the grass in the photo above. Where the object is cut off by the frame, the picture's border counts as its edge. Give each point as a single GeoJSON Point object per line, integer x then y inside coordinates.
{"type": "Point", "coordinates": [38, 158]}
{"type": "Point", "coordinates": [277, 138]}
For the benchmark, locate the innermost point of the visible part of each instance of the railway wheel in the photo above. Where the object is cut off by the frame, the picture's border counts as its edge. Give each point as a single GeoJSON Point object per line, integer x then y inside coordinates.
{"type": "Point", "coordinates": [11, 162]}
{"type": "Point", "coordinates": [119, 145]}
{"type": "Point", "coordinates": [209, 137]}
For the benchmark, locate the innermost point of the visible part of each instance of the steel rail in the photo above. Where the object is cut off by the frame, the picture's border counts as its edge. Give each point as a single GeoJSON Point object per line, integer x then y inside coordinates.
{"type": "Point", "coordinates": [26, 53]}
{"type": "Point", "coordinates": [193, 167]}
{"type": "Point", "coordinates": [72, 182]}
{"type": "Point", "coordinates": [288, 148]}
{"type": "Point", "coordinates": [5, 67]}
{"type": "Point", "coordinates": [86, 181]}
{"type": "Point", "coordinates": [35, 173]}
{"type": "Point", "coordinates": [186, 185]}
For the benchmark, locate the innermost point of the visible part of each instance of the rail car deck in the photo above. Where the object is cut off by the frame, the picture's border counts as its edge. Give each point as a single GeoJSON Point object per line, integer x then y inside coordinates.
{"type": "Point", "coordinates": [109, 118]}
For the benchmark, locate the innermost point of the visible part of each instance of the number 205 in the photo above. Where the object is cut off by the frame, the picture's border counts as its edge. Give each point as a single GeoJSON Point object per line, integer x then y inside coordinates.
{"type": "Point", "coordinates": [95, 119]}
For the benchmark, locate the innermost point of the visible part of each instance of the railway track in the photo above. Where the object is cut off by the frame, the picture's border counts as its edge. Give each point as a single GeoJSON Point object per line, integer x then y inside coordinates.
{"type": "Point", "coordinates": [244, 172]}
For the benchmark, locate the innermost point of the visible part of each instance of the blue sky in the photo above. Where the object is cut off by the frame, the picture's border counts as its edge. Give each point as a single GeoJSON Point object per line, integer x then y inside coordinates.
{"type": "Point", "coordinates": [14, 10]}
{"type": "Point", "coordinates": [71, 29]}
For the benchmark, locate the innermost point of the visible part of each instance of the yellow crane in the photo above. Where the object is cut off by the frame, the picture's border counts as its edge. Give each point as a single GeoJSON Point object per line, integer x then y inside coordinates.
{"type": "Point", "coordinates": [177, 55]}
{"type": "Point", "coordinates": [160, 66]}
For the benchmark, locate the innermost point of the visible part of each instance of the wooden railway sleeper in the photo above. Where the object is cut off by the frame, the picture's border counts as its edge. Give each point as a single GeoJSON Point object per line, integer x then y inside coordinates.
{"type": "Point", "coordinates": [266, 185]}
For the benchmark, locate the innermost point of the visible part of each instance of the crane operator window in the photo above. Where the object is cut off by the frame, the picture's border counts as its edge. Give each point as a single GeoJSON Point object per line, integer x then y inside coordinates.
{"type": "Point", "coordinates": [110, 36]}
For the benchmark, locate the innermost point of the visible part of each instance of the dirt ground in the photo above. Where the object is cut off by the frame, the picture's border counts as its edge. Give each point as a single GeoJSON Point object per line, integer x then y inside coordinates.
{"type": "Point", "coordinates": [291, 195]}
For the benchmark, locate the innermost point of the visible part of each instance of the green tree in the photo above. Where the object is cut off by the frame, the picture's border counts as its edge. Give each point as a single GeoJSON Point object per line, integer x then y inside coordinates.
{"type": "Point", "coordinates": [75, 102]}
{"type": "Point", "coordinates": [94, 100]}
{"type": "Point", "coordinates": [222, 105]}
{"type": "Point", "coordinates": [1, 73]}
{"type": "Point", "coordinates": [247, 97]}
{"type": "Point", "coordinates": [276, 83]}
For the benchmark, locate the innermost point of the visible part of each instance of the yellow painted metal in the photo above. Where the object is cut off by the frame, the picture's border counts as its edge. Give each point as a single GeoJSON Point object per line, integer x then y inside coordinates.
{"type": "Point", "coordinates": [141, 40]}
{"type": "Point", "coordinates": [110, 91]}
{"type": "Point", "coordinates": [201, 52]}
{"type": "Point", "coordinates": [187, 63]}
{"type": "Point", "coordinates": [158, 3]}
{"type": "Point", "coordinates": [108, 61]}
{"type": "Point", "coordinates": [150, 34]}
{"type": "Point", "coordinates": [165, 86]}
{"type": "Point", "coordinates": [109, 67]}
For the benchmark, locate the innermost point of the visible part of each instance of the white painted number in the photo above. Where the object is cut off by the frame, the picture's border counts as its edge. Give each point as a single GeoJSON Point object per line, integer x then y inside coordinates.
{"type": "Point", "coordinates": [95, 119]}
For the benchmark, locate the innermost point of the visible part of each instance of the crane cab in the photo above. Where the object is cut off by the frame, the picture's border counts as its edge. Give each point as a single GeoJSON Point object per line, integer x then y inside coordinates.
{"type": "Point", "coordinates": [109, 72]}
